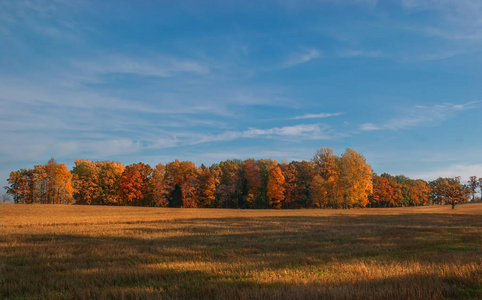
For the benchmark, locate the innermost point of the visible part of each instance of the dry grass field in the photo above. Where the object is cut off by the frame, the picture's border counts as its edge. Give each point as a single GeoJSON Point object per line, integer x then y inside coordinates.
{"type": "Point", "coordinates": [87, 252]}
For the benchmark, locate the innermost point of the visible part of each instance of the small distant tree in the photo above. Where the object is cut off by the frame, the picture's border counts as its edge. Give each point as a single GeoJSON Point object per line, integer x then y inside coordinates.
{"type": "Point", "coordinates": [480, 187]}
{"type": "Point", "coordinates": [5, 198]}
{"type": "Point", "coordinates": [449, 190]}
{"type": "Point", "coordinates": [473, 184]}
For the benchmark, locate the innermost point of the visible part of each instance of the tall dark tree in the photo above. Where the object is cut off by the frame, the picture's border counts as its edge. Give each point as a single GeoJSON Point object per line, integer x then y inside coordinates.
{"type": "Point", "coordinates": [473, 184]}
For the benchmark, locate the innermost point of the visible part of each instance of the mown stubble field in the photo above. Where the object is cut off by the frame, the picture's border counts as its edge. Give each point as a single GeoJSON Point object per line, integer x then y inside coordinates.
{"type": "Point", "coordinates": [87, 252]}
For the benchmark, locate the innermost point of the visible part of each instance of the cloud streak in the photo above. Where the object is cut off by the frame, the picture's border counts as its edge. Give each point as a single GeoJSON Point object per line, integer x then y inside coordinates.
{"type": "Point", "coordinates": [302, 58]}
{"type": "Point", "coordinates": [420, 115]}
{"type": "Point", "coordinates": [158, 66]}
{"type": "Point", "coordinates": [463, 170]}
{"type": "Point", "coordinates": [298, 132]}
{"type": "Point", "coordinates": [317, 116]}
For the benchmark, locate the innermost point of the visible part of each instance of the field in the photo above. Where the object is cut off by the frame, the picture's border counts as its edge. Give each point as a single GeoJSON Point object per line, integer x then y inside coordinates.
{"type": "Point", "coordinates": [87, 252]}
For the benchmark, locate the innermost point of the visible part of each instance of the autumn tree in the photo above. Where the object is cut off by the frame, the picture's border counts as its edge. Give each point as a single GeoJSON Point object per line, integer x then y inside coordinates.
{"type": "Point", "coordinates": [266, 166]}
{"type": "Point", "coordinates": [85, 181]}
{"type": "Point", "coordinates": [386, 191]}
{"type": "Point", "coordinates": [40, 185]}
{"type": "Point", "coordinates": [182, 183]}
{"type": "Point", "coordinates": [355, 179]}
{"type": "Point", "coordinates": [20, 186]}
{"type": "Point", "coordinates": [52, 183]}
{"type": "Point", "coordinates": [318, 192]}
{"type": "Point", "coordinates": [252, 174]}
{"type": "Point", "coordinates": [159, 188]}
{"type": "Point", "coordinates": [418, 192]}
{"type": "Point", "coordinates": [134, 184]}
{"type": "Point", "coordinates": [209, 180]}
{"type": "Point", "coordinates": [436, 190]}
{"type": "Point", "coordinates": [449, 191]}
{"type": "Point", "coordinates": [230, 183]}
{"type": "Point", "coordinates": [191, 191]}
{"type": "Point", "coordinates": [110, 173]}
{"type": "Point", "coordinates": [275, 187]}
{"type": "Point", "coordinates": [327, 165]}
{"type": "Point", "coordinates": [49, 184]}
{"type": "Point", "coordinates": [290, 186]}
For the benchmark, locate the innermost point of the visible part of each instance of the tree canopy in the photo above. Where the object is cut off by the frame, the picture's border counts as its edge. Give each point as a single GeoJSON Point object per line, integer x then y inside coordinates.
{"type": "Point", "coordinates": [326, 181]}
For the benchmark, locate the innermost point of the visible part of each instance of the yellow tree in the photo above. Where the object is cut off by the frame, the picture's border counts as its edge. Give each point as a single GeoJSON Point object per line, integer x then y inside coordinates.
{"type": "Point", "coordinates": [52, 183]}
{"type": "Point", "coordinates": [356, 179]}
{"type": "Point", "coordinates": [275, 188]}
{"type": "Point", "coordinates": [85, 181]}
{"type": "Point", "coordinates": [62, 184]}
{"type": "Point", "coordinates": [110, 173]}
{"type": "Point", "coordinates": [327, 165]}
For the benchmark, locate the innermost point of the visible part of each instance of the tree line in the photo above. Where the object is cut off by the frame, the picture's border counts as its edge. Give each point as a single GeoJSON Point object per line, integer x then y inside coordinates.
{"type": "Point", "coordinates": [326, 181]}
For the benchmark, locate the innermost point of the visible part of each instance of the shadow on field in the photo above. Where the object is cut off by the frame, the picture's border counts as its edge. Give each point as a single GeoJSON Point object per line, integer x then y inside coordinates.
{"type": "Point", "coordinates": [249, 257]}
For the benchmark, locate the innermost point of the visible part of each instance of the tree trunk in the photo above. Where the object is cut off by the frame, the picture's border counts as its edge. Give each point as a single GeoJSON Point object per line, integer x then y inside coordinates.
{"type": "Point", "coordinates": [453, 204]}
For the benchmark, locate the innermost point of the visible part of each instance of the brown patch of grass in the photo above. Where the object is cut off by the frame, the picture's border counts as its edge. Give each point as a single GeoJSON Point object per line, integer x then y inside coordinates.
{"type": "Point", "coordinates": [84, 252]}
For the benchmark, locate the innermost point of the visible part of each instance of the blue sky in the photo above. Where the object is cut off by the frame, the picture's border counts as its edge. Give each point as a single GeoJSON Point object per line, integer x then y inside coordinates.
{"type": "Point", "coordinates": [154, 81]}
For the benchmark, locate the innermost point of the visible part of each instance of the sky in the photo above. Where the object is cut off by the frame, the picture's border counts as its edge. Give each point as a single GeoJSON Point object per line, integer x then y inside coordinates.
{"type": "Point", "coordinates": [205, 81]}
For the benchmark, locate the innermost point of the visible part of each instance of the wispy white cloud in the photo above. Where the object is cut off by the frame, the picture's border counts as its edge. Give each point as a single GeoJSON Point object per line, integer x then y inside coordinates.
{"type": "Point", "coordinates": [293, 4]}
{"type": "Point", "coordinates": [420, 115]}
{"type": "Point", "coordinates": [302, 57]}
{"type": "Point", "coordinates": [300, 132]}
{"type": "Point", "coordinates": [256, 153]}
{"type": "Point", "coordinates": [459, 19]}
{"type": "Point", "coordinates": [359, 53]}
{"type": "Point", "coordinates": [463, 170]}
{"type": "Point", "coordinates": [51, 19]}
{"type": "Point", "coordinates": [317, 116]}
{"type": "Point", "coordinates": [370, 127]}
{"type": "Point", "coordinates": [159, 66]}
{"type": "Point", "coordinates": [98, 148]}
{"type": "Point", "coordinates": [67, 93]}
{"type": "Point", "coordinates": [39, 146]}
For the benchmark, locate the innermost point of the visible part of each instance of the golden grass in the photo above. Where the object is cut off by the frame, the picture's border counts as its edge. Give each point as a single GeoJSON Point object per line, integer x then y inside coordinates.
{"type": "Point", "coordinates": [92, 252]}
